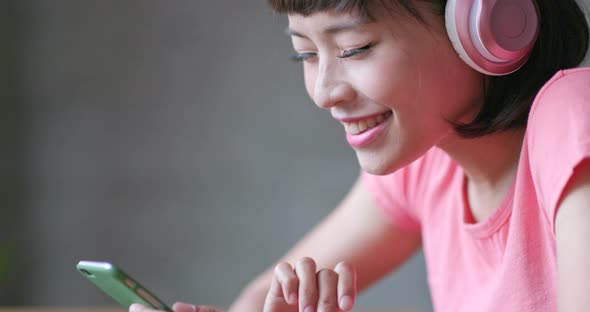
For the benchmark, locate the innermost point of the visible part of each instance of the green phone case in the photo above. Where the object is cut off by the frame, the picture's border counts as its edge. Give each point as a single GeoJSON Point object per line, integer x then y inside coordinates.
{"type": "Point", "coordinates": [119, 285]}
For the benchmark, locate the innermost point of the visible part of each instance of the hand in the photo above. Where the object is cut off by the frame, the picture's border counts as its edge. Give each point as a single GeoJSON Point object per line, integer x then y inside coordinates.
{"type": "Point", "coordinates": [303, 289]}
{"type": "Point", "coordinates": [177, 307]}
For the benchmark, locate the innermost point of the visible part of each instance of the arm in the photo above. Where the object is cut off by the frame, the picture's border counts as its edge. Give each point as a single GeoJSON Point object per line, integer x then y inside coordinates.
{"type": "Point", "coordinates": [356, 232]}
{"type": "Point", "coordinates": [572, 229]}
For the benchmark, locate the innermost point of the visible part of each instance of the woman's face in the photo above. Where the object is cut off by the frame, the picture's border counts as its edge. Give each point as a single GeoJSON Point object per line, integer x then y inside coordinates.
{"type": "Point", "coordinates": [393, 83]}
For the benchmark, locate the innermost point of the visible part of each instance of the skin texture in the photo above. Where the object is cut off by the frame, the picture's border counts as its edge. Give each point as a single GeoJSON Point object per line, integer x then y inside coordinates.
{"type": "Point", "coordinates": [411, 70]}
{"type": "Point", "coordinates": [355, 69]}
{"type": "Point", "coordinates": [572, 229]}
{"type": "Point", "coordinates": [323, 290]}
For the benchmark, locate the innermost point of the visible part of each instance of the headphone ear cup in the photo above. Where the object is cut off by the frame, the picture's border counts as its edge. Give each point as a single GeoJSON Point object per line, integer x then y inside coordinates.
{"type": "Point", "coordinates": [487, 36]}
{"type": "Point", "coordinates": [511, 27]}
{"type": "Point", "coordinates": [453, 33]}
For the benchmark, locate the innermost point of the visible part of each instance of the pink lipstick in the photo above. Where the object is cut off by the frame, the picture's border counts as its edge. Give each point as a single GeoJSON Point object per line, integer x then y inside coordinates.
{"type": "Point", "coordinates": [361, 132]}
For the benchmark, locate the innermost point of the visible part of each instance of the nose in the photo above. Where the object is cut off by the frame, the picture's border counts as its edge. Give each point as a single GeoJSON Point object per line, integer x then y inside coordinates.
{"type": "Point", "coordinates": [331, 86]}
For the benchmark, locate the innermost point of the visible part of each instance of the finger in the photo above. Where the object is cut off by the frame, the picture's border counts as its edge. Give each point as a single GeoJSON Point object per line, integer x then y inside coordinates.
{"type": "Point", "coordinates": [288, 281]}
{"type": "Point", "coordinates": [305, 268]}
{"type": "Point", "coordinates": [207, 309]}
{"type": "Point", "coordinates": [137, 307]}
{"type": "Point", "coordinates": [328, 284]}
{"type": "Point", "coordinates": [183, 307]}
{"type": "Point", "coordinates": [187, 307]}
{"type": "Point", "coordinates": [346, 285]}
{"type": "Point", "coordinates": [274, 293]}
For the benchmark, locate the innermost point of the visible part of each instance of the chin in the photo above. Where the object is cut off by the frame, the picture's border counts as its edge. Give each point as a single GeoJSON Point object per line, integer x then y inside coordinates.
{"type": "Point", "coordinates": [384, 162]}
{"type": "Point", "coordinates": [376, 165]}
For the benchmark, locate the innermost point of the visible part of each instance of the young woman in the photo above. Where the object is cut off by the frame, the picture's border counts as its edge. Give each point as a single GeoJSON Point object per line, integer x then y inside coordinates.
{"type": "Point", "coordinates": [473, 135]}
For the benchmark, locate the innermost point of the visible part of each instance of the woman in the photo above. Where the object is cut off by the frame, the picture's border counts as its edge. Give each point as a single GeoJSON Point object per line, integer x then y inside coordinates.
{"type": "Point", "coordinates": [473, 140]}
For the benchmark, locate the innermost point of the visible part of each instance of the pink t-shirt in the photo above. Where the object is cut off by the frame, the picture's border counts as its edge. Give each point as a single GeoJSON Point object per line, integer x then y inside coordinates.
{"type": "Point", "coordinates": [507, 262]}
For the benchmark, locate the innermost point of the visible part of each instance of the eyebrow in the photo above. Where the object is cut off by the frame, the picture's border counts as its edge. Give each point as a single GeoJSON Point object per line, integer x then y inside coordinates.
{"type": "Point", "coordinates": [332, 29]}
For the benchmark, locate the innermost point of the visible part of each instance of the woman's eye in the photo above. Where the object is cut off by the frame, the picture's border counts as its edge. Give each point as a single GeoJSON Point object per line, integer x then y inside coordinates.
{"type": "Point", "coordinates": [301, 57]}
{"type": "Point", "coordinates": [349, 53]}
{"type": "Point", "coordinates": [307, 56]}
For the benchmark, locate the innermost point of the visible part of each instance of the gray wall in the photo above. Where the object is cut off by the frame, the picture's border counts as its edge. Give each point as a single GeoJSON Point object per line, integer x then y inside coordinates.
{"type": "Point", "coordinates": [173, 138]}
{"type": "Point", "coordinates": [13, 127]}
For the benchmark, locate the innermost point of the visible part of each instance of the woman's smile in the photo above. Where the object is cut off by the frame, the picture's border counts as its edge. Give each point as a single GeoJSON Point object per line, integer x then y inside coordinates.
{"type": "Point", "coordinates": [362, 131]}
{"type": "Point", "coordinates": [361, 124]}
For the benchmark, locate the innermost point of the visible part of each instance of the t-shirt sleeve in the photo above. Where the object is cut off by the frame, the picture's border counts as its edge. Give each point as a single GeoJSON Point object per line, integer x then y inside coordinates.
{"type": "Point", "coordinates": [559, 135]}
{"type": "Point", "coordinates": [389, 193]}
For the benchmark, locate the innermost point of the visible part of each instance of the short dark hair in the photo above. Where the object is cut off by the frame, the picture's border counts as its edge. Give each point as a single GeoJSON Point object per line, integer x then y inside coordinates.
{"type": "Point", "coordinates": [562, 43]}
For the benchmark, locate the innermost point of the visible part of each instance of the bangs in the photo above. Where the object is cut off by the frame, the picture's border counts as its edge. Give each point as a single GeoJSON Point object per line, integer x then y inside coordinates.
{"type": "Point", "coordinates": [307, 7]}
{"type": "Point", "coordinates": [362, 7]}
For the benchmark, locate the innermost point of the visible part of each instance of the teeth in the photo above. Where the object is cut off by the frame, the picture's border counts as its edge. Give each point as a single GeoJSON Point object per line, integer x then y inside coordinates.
{"type": "Point", "coordinates": [365, 124]}
{"type": "Point", "coordinates": [362, 126]}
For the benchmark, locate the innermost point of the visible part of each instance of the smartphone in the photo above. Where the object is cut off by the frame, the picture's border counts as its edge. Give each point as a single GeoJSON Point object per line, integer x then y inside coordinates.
{"type": "Point", "coordinates": [119, 285]}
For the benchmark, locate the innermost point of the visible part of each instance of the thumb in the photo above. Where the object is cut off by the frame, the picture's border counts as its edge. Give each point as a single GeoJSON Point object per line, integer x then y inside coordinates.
{"type": "Point", "coordinates": [187, 307]}
{"type": "Point", "coordinates": [184, 307]}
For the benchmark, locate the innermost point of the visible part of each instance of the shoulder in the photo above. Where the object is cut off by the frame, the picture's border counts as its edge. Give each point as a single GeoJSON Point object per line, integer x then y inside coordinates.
{"type": "Point", "coordinates": [561, 108]}
{"type": "Point", "coordinates": [566, 80]}
{"type": "Point", "coordinates": [558, 134]}
{"type": "Point", "coordinates": [567, 88]}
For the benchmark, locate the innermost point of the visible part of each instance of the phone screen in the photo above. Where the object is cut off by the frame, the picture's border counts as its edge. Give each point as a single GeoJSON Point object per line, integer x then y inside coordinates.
{"type": "Point", "coordinates": [119, 285]}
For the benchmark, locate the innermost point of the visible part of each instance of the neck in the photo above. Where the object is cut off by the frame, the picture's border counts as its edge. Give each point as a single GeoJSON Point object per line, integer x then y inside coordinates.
{"type": "Point", "coordinates": [487, 161]}
{"type": "Point", "coordinates": [490, 165]}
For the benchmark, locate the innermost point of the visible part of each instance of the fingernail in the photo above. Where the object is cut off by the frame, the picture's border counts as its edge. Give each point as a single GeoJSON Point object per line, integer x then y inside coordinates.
{"type": "Point", "coordinates": [134, 307]}
{"type": "Point", "coordinates": [184, 307]}
{"type": "Point", "coordinates": [293, 298]}
{"type": "Point", "coordinates": [346, 303]}
{"type": "Point", "coordinates": [309, 309]}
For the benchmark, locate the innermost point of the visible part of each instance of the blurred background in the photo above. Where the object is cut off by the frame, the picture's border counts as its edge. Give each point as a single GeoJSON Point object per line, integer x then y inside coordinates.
{"type": "Point", "coordinates": [173, 138]}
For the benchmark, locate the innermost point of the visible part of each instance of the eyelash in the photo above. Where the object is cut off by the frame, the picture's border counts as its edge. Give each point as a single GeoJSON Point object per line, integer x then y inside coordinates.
{"type": "Point", "coordinates": [301, 57]}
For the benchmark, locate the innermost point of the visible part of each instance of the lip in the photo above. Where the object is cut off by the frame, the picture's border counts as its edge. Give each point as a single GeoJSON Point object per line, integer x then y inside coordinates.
{"type": "Point", "coordinates": [355, 119]}
{"type": "Point", "coordinates": [363, 139]}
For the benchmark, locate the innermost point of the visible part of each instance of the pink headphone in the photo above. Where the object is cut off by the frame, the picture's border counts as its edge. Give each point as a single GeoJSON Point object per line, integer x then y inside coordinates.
{"type": "Point", "coordinates": [495, 37]}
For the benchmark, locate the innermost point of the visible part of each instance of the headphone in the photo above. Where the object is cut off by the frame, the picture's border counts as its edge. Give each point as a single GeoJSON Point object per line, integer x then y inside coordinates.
{"type": "Point", "coordinates": [495, 37]}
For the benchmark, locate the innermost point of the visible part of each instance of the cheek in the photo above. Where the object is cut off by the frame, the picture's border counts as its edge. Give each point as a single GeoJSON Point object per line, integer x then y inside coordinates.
{"type": "Point", "coordinates": [388, 79]}
{"type": "Point", "coordinates": [427, 84]}
{"type": "Point", "coordinates": [309, 77]}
